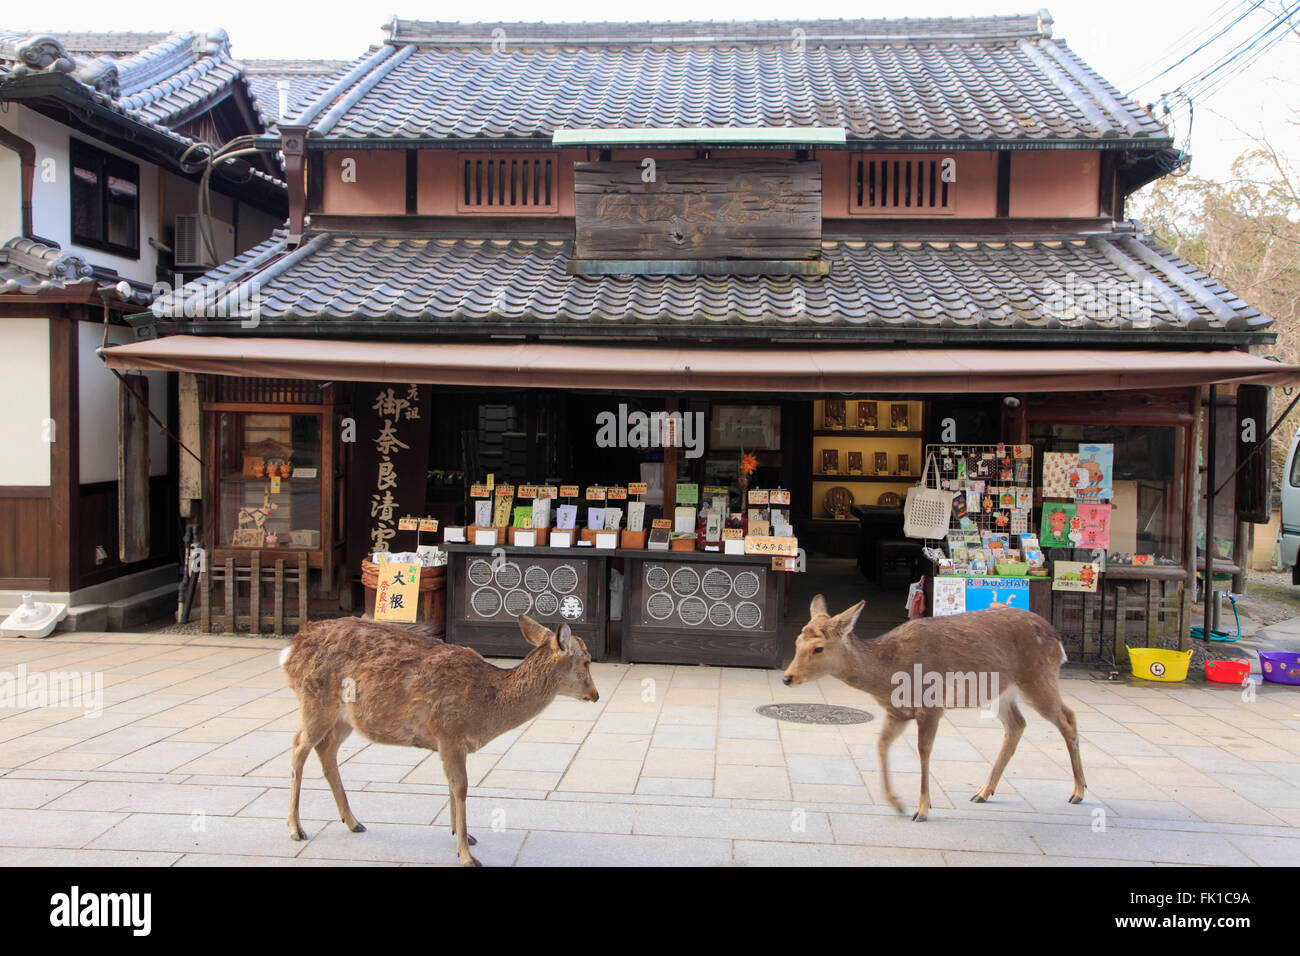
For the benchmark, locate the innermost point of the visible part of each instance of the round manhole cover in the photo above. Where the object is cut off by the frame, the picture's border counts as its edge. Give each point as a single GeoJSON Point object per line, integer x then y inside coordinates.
{"type": "Point", "coordinates": [814, 713]}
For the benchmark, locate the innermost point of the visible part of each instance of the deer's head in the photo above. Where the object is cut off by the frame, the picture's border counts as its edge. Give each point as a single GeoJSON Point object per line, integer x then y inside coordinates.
{"type": "Point", "coordinates": [567, 656]}
{"type": "Point", "coordinates": [823, 643]}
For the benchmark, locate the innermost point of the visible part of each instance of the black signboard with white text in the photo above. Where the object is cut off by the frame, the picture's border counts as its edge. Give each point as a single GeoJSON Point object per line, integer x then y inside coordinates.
{"type": "Point", "coordinates": [390, 461]}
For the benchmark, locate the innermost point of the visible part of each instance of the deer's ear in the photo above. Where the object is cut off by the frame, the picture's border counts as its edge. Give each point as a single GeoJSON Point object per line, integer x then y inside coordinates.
{"type": "Point", "coordinates": [818, 606]}
{"type": "Point", "coordinates": [534, 633]}
{"type": "Point", "coordinates": [847, 620]}
{"type": "Point", "coordinates": [564, 640]}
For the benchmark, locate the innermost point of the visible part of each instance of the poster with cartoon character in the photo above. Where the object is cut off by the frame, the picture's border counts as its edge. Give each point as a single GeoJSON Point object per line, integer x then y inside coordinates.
{"type": "Point", "coordinates": [1056, 527]}
{"type": "Point", "coordinates": [1095, 522]}
{"type": "Point", "coordinates": [1091, 480]}
{"type": "Point", "coordinates": [1075, 576]}
{"type": "Point", "coordinates": [1057, 467]}
{"type": "Point", "coordinates": [949, 596]}
{"type": "Point", "coordinates": [984, 593]}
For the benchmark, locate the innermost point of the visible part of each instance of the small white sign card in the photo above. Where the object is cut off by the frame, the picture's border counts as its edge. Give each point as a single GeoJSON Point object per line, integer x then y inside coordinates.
{"type": "Point", "coordinates": [486, 536]}
{"type": "Point", "coordinates": [733, 546]}
{"type": "Point", "coordinates": [541, 512]}
{"type": "Point", "coordinates": [452, 534]}
{"type": "Point", "coordinates": [566, 517]}
{"type": "Point", "coordinates": [684, 518]}
{"type": "Point", "coordinates": [635, 515]}
{"type": "Point", "coordinates": [595, 518]}
{"type": "Point", "coordinates": [607, 539]}
{"type": "Point", "coordinates": [483, 512]}
{"type": "Point", "coordinates": [561, 539]}
{"type": "Point", "coordinates": [525, 539]}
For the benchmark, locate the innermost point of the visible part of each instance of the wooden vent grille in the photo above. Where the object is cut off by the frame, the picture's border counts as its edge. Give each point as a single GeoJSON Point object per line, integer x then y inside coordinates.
{"type": "Point", "coordinates": [267, 391]}
{"type": "Point", "coordinates": [900, 185]}
{"type": "Point", "coordinates": [508, 184]}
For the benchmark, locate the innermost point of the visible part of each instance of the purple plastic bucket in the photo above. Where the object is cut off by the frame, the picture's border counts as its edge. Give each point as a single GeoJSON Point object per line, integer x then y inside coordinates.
{"type": "Point", "coordinates": [1280, 667]}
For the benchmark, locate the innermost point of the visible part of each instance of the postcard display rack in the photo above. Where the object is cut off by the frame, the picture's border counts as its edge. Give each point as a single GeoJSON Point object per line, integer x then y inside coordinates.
{"type": "Point", "coordinates": [992, 551]}
{"type": "Point", "coordinates": [489, 587]}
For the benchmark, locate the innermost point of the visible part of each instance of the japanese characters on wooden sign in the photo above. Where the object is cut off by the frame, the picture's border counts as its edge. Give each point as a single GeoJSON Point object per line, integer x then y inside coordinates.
{"type": "Point", "coordinates": [698, 209]}
{"type": "Point", "coordinates": [397, 592]}
{"type": "Point", "coordinates": [389, 463]}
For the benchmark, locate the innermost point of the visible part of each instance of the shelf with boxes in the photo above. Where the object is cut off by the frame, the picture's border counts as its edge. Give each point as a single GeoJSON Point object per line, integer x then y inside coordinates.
{"type": "Point", "coordinates": [863, 441]}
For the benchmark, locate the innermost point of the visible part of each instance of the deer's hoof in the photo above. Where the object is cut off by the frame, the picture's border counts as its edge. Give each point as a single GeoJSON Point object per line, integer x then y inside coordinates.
{"type": "Point", "coordinates": [359, 828]}
{"type": "Point", "coordinates": [919, 817]}
{"type": "Point", "coordinates": [980, 798]}
{"type": "Point", "coordinates": [1076, 798]}
{"type": "Point", "coordinates": [298, 835]}
{"type": "Point", "coordinates": [470, 862]}
{"type": "Point", "coordinates": [469, 838]}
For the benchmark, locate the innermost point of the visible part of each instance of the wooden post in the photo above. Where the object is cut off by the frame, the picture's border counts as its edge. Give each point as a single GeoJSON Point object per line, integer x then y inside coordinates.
{"type": "Point", "coordinates": [1191, 501]}
{"type": "Point", "coordinates": [670, 466]}
{"type": "Point", "coordinates": [232, 585]}
{"type": "Point", "coordinates": [1211, 450]}
{"type": "Point", "coordinates": [205, 601]}
{"type": "Point", "coordinates": [302, 589]}
{"type": "Point", "coordinates": [278, 624]}
{"type": "Point", "coordinates": [255, 595]}
{"type": "Point", "coordinates": [133, 468]}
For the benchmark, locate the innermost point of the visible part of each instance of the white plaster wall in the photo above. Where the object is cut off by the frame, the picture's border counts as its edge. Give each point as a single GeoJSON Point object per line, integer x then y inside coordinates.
{"type": "Point", "coordinates": [51, 194]}
{"type": "Point", "coordinates": [97, 408]}
{"type": "Point", "coordinates": [25, 400]}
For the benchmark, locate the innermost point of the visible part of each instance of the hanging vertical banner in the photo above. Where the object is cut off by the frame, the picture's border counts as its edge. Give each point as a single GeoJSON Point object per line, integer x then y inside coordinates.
{"type": "Point", "coordinates": [389, 463]}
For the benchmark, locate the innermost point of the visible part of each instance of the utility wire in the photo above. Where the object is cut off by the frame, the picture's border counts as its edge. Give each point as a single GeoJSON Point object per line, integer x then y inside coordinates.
{"type": "Point", "coordinates": [1253, 7]}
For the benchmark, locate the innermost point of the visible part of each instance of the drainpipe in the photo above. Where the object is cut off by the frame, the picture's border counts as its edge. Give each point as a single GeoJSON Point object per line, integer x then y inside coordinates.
{"type": "Point", "coordinates": [293, 143]}
{"type": "Point", "coordinates": [27, 162]}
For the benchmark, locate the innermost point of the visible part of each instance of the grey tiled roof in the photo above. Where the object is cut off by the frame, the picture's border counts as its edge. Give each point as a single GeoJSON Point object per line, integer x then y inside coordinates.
{"type": "Point", "coordinates": [1118, 281]}
{"type": "Point", "coordinates": [156, 78]}
{"type": "Point", "coordinates": [306, 79]}
{"type": "Point", "coordinates": [1001, 78]}
{"type": "Point", "coordinates": [30, 266]}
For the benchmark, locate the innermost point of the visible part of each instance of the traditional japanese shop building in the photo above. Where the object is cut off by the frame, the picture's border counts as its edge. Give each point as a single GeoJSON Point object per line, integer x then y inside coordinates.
{"type": "Point", "coordinates": [100, 169]}
{"type": "Point", "coordinates": [834, 245]}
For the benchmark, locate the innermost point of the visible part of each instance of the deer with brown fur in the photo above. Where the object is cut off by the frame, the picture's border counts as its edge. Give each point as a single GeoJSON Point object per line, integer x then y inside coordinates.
{"type": "Point", "coordinates": [1012, 652]}
{"type": "Point", "coordinates": [408, 690]}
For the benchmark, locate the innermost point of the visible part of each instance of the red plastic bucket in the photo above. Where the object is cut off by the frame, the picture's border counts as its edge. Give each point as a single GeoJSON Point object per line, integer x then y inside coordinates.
{"type": "Point", "coordinates": [1227, 672]}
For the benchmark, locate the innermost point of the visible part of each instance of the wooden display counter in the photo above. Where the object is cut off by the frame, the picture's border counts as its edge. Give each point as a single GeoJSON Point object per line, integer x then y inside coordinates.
{"type": "Point", "coordinates": [701, 607]}
{"type": "Point", "coordinates": [488, 588]}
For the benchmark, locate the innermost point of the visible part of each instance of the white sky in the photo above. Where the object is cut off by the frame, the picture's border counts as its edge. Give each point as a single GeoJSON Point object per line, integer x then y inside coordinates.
{"type": "Point", "coordinates": [1126, 41]}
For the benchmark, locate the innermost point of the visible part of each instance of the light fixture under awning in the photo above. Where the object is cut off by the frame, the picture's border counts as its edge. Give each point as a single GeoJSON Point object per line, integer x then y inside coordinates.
{"type": "Point", "coordinates": [698, 367]}
{"type": "Point", "coordinates": [702, 136]}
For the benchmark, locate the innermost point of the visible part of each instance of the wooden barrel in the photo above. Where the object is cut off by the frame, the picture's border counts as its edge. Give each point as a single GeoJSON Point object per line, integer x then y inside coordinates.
{"type": "Point", "coordinates": [433, 595]}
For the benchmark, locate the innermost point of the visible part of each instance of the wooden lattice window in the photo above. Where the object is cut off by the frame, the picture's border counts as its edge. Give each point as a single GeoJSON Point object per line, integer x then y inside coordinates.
{"type": "Point", "coordinates": [902, 184]}
{"type": "Point", "coordinates": [264, 391]}
{"type": "Point", "coordinates": [508, 182]}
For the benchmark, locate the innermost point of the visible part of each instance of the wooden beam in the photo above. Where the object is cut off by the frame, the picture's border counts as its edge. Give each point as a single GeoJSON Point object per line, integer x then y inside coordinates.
{"type": "Point", "coordinates": [65, 462]}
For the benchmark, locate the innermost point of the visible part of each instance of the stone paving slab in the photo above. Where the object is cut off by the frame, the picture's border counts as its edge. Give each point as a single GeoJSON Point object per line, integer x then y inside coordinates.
{"type": "Point", "coordinates": [188, 765]}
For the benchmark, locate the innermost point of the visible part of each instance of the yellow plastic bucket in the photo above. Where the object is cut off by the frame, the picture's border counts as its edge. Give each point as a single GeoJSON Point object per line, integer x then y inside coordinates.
{"type": "Point", "coordinates": [1156, 663]}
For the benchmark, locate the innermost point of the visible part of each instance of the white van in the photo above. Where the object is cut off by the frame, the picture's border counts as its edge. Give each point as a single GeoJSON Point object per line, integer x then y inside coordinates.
{"type": "Point", "coordinates": [1291, 511]}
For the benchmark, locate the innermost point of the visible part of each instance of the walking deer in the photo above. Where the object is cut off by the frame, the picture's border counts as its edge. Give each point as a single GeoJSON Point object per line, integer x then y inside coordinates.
{"type": "Point", "coordinates": [402, 688]}
{"type": "Point", "coordinates": [995, 653]}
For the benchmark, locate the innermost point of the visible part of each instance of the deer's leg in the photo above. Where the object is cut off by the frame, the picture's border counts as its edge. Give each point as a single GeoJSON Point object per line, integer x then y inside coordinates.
{"type": "Point", "coordinates": [888, 734]}
{"type": "Point", "coordinates": [927, 725]}
{"type": "Point", "coordinates": [328, 751]}
{"type": "Point", "coordinates": [1013, 722]}
{"type": "Point", "coordinates": [453, 766]}
{"type": "Point", "coordinates": [308, 736]}
{"type": "Point", "coordinates": [1047, 701]}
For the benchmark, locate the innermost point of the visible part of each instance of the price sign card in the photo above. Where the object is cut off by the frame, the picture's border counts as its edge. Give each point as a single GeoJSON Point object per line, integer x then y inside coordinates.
{"type": "Point", "coordinates": [616, 494]}
{"type": "Point", "coordinates": [595, 494]}
{"type": "Point", "coordinates": [758, 496]}
{"type": "Point", "coordinates": [527, 491]}
{"type": "Point", "coordinates": [428, 524]}
{"type": "Point", "coordinates": [638, 488]}
{"type": "Point", "coordinates": [688, 494]}
{"type": "Point", "coordinates": [407, 524]}
{"type": "Point", "coordinates": [568, 491]}
{"type": "Point", "coordinates": [480, 491]}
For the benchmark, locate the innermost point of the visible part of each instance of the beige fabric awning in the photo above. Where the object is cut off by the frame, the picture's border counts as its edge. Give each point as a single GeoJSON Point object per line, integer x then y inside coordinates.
{"type": "Point", "coordinates": [630, 367]}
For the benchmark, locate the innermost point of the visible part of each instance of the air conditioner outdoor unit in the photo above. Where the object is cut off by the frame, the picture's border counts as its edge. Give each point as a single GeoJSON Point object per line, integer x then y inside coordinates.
{"type": "Point", "coordinates": [191, 248]}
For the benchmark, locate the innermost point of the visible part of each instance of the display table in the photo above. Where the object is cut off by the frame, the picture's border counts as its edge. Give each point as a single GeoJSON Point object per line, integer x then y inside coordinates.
{"type": "Point", "coordinates": [488, 588]}
{"type": "Point", "coordinates": [701, 607]}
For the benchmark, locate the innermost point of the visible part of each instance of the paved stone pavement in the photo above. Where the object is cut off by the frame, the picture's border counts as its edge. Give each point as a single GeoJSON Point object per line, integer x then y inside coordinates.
{"type": "Point", "coordinates": [188, 765]}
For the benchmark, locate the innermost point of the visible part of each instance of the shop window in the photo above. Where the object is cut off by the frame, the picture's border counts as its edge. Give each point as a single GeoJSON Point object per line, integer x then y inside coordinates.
{"type": "Point", "coordinates": [270, 481]}
{"type": "Point", "coordinates": [105, 200]}
{"type": "Point", "coordinates": [1148, 492]}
